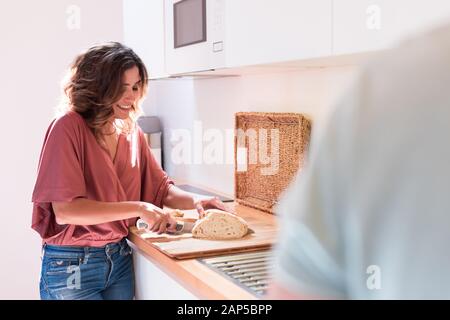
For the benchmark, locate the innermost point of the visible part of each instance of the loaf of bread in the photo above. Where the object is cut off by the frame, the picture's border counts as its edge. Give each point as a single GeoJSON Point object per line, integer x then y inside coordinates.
{"type": "Point", "coordinates": [220, 225]}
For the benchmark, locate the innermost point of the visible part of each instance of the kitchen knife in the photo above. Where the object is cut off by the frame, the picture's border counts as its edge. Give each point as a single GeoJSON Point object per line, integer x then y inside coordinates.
{"type": "Point", "coordinates": [182, 226]}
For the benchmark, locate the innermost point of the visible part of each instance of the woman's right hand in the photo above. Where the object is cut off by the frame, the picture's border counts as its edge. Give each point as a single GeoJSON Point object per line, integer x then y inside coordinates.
{"type": "Point", "coordinates": [157, 220]}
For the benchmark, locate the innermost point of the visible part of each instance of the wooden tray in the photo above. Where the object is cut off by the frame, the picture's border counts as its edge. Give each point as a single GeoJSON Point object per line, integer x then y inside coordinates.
{"type": "Point", "coordinates": [259, 182]}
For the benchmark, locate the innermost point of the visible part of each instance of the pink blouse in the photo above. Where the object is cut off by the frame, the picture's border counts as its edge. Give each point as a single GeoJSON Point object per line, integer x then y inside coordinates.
{"type": "Point", "coordinates": [73, 165]}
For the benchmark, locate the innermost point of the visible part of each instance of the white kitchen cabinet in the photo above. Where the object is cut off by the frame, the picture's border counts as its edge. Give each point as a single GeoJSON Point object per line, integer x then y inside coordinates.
{"type": "Point", "coordinates": [249, 32]}
{"type": "Point", "coordinates": [257, 32]}
{"type": "Point", "coordinates": [266, 31]}
{"type": "Point", "coordinates": [143, 22]}
{"type": "Point", "coordinates": [154, 284]}
{"type": "Point", "coordinates": [366, 25]}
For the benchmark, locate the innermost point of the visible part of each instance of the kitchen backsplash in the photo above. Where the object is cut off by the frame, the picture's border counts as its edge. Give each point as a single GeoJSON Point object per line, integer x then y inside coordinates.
{"type": "Point", "coordinates": [196, 109]}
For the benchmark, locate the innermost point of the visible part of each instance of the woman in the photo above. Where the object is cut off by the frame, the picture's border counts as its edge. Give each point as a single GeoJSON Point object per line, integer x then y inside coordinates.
{"type": "Point", "coordinates": [96, 176]}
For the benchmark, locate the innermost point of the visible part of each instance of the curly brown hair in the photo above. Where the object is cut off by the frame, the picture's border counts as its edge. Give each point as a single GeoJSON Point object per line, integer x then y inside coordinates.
{"type": "Point", "coordinates": [94, 84]}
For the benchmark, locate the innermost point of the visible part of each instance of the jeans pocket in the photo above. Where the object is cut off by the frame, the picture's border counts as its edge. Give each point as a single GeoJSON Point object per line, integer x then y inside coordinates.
{"type": "Point", "coordinates": [59, 276]}
{"type": "Point", "coordinates": [61, 266]}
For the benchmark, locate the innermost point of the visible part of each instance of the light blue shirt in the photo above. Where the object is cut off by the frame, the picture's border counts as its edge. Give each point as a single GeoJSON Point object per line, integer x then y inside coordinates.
{"type": "Point", "coordinates": [369, 216]}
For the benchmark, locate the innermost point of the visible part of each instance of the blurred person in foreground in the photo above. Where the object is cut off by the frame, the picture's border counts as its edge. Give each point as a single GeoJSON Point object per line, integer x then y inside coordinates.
{"type": "Point", "coordinates": [369, 216]}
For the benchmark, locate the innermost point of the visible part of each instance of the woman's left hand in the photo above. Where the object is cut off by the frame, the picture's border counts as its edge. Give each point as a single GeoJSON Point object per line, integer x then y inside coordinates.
{"type": "Point", "coordinates": [205, 203]}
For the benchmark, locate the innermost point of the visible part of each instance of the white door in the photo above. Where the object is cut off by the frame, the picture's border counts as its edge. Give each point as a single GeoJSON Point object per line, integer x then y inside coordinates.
{"type": "Point", "coordinates": [154, 284]}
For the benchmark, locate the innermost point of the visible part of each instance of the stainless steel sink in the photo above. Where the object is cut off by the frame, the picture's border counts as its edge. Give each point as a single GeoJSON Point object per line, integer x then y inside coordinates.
{"type": "Point", "coordinates": [250, 271]}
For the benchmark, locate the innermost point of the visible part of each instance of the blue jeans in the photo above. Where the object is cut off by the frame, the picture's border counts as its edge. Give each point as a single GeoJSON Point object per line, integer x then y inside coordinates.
{"type": "Point", "coordinates": [87, 273]}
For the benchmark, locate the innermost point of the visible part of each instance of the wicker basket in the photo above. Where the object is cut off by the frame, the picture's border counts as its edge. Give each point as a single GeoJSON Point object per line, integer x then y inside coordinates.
{"type": "Point", "coordinates": [260, 174]}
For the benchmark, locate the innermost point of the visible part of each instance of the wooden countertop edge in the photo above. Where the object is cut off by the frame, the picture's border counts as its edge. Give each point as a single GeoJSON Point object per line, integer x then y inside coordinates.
{"type": "Point", "coordinates": [192, 275]}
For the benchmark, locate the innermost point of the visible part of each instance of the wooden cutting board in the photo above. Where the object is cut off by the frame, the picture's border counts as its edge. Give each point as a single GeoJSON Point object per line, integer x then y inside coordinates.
{"type": "Point", "coordinates": [262, 235]}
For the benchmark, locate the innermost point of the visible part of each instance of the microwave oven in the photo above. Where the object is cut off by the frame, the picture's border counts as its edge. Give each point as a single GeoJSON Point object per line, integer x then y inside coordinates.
{"type": "Point", "coordinates": [194, 35]}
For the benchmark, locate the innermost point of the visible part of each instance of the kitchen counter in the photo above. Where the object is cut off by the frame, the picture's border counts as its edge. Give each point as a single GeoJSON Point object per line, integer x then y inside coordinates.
{"type": "Point", "coordinates": [198, 279]}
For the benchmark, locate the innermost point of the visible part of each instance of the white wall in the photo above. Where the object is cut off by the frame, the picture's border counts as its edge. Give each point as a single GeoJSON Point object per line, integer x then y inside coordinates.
{"type": "Point", "coordinates": [36, 48]}
{"type": "Point", "coordinates": [180, 102]}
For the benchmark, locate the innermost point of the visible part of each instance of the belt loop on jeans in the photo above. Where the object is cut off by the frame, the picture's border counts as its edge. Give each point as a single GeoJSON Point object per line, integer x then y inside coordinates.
{"type": "Point", "coordinates": [86, 255]}
{"type": "Point", "coordinates": [124, 248]}
{"type": "Point", "coordinates": [43, 250]}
